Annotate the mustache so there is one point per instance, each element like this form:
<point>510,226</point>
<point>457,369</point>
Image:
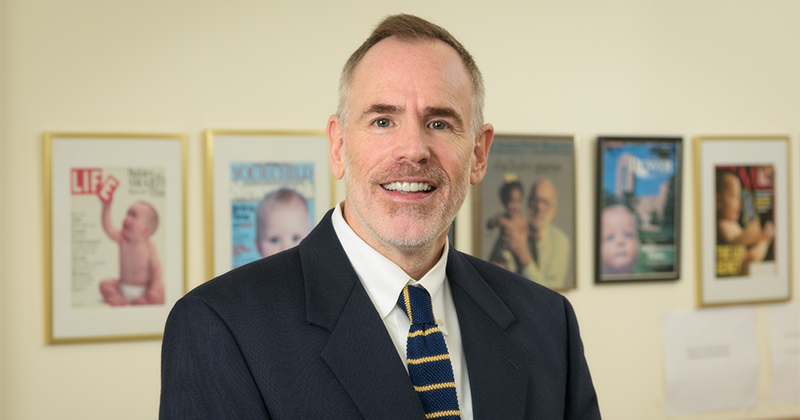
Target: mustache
<point>399,170</point>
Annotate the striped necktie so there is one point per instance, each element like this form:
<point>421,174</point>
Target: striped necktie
<point>428,360</point>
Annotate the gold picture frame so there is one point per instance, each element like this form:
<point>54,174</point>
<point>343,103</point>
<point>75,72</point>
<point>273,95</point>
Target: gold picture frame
<point>241,168</point>
<point>94,183</point>
<point>743,199</point>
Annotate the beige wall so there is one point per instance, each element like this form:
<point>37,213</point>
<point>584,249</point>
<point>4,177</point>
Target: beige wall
<point>681,67</point>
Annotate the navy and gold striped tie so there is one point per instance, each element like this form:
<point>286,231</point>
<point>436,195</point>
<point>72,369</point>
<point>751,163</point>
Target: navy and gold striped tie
<point>428,360</point>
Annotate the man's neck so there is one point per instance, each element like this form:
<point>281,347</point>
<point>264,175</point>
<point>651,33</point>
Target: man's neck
<point>416,261</point>
<point>539,233</point>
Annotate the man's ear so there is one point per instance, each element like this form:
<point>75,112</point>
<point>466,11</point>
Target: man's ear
<point>335,133</point>
<point>480,154</point>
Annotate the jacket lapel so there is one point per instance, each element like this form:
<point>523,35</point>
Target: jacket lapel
<point>359,352</point>
<point>496,364</point>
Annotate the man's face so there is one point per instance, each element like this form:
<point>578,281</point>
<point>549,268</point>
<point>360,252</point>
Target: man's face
<point>543,204</point>
<point>407,152</point>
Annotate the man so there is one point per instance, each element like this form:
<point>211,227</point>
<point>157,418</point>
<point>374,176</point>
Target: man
<point>543,251</point>
<point>315,331</point>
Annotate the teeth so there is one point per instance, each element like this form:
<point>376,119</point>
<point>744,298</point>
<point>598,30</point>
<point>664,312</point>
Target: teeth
<point>407,186</point>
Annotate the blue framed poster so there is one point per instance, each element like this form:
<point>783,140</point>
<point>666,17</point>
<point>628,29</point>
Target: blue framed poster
<point>638,209</point>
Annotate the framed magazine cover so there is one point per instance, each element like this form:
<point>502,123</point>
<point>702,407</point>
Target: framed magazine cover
<point>743,218</point>
<point>524,209</point>
<point>265,190</point>
<point>638,217</point>
<point>115,226</point>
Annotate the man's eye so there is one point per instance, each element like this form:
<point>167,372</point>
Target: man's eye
<point>383,122</point>
<point>438,125</point>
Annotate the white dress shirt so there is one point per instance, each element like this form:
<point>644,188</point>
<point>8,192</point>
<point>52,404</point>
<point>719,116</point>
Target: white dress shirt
<point>384,281</point>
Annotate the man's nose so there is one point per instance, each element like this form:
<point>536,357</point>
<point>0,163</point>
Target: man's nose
<point>412,144</point>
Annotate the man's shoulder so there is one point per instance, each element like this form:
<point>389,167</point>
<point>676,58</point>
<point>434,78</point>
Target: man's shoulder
<point>534,307</point>
<point>507,283</point>
<point>253,283</point>
<point>558,233</point>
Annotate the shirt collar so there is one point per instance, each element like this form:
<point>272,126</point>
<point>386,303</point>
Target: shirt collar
<point>382,278</point>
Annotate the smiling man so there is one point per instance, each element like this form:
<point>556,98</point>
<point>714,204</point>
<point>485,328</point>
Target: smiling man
<point>374,315</point>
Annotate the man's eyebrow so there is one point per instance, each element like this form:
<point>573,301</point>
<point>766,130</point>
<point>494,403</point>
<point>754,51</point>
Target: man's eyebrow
<point>446,112</point>
<point>382,109</point>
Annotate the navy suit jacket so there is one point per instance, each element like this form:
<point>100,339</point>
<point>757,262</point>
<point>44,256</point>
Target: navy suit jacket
<point>295,336</point>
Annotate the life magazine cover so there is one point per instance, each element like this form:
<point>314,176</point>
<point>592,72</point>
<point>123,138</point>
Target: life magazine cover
<point>746,228</point>
<point>117,247</point>
<point>272,207</point>
<point>638,209</point>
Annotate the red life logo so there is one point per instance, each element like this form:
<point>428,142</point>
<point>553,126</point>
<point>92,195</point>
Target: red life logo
<point>106,191</point>
<point>86,180</point>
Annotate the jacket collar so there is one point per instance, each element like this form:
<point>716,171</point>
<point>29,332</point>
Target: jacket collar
<point>361,354</point>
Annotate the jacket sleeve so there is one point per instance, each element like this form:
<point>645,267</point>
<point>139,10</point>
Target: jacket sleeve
<point>203,372</point>
<point>581,397</point>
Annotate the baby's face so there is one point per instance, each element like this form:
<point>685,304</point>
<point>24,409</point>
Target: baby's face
<point>730,200</point>
<point>136,223</point>
<point>620,241</point>
<point>514,204</point>
<point>284,227</point>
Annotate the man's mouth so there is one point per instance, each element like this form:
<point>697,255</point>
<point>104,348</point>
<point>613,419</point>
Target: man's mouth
<point>407,187</point>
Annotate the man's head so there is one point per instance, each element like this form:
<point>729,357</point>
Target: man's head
<point>282,221</point>
<point>140,222</point>
<point>412,29</point>
<point>542,203</point>
<point>409,149</point>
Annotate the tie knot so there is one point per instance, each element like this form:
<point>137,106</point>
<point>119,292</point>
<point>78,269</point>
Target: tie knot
<point>416,303</point>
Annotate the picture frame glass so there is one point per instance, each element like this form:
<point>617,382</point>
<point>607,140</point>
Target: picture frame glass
<point>743,215</point>
<point>638,209</point>
<point>114,212</point>
<point>267,190</point>
<point>524,212</point>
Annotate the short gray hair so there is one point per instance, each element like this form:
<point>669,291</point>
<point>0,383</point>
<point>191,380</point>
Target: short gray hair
<point>409,28</point>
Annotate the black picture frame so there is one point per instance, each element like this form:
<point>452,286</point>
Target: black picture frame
<point>638,215</point>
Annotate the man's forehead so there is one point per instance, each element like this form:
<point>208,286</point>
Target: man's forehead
<point>395,46</point>
<point>404,61</point>
<point>545,188</point>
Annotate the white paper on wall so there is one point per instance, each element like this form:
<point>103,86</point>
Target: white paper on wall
<point>784,328</point>
<point>711,360</point>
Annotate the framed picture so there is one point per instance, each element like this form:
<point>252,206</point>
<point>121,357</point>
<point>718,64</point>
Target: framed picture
<point>524,210</point>
<point>743,219</point>
<point>638,217</point>
<point>265,190</point>
<point>115,226</point>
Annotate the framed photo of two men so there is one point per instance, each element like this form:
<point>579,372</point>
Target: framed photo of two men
<point>743,216</point>
<point>638,209</point>
<point>114,220</point>
<point>524,212</point>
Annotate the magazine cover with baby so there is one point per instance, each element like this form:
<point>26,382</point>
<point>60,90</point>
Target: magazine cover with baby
<point>638,217</point>
<point>744,199</point>
<point>117,248</point>
<point>272,207</point>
